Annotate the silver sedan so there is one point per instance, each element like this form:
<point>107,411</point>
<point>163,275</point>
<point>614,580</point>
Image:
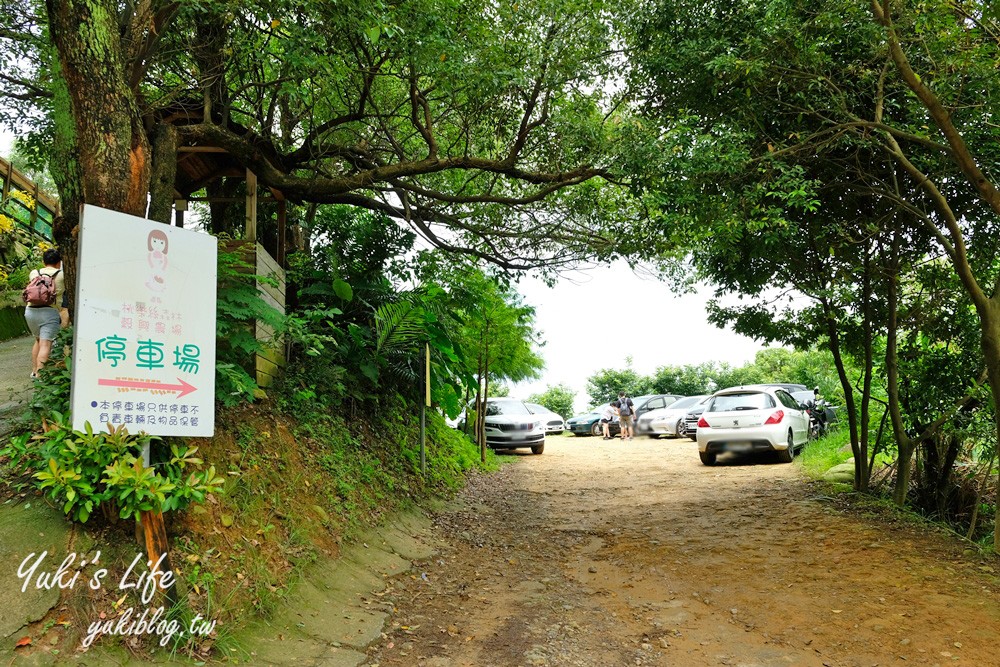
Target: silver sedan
<point>668,420</point>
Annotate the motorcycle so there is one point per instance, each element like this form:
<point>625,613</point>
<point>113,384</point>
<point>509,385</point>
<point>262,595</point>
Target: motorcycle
<point>818,421</point>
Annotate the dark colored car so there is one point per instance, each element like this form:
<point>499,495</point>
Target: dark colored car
<point>691,421</point>
<point>807,398</point>
<point>787,386</point>
<point>589,423</point>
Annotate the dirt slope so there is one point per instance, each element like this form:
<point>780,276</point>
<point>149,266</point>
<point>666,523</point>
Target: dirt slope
<point>609,553</point>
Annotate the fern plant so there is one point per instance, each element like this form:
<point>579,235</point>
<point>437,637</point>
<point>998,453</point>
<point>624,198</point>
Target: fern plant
<point>399,325</point>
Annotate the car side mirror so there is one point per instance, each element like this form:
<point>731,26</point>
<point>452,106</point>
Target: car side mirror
<point>803,406</point>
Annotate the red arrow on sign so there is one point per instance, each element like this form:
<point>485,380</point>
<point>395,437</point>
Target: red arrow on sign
<point>184,388</point>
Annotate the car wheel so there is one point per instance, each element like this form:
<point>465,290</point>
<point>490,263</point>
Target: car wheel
<point>708,458</point>
<point>596,429</point>
<point>788,455</point>
<point>681,428</point>
<point>538,449</point>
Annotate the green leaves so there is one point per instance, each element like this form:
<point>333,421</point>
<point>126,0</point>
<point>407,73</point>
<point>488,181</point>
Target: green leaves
<point>558,398</point>
<point>398,325</point>
<point>342,290</point>
<point>84,470</point>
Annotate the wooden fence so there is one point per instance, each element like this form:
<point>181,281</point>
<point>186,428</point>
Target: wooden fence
<point>38,220</point>
<point>269,362</point>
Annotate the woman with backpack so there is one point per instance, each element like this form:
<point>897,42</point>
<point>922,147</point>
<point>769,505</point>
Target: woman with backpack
<point>626,415</point>
<point>41,296</point>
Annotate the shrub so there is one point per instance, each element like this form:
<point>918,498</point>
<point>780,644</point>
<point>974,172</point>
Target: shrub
<point>84,471</point>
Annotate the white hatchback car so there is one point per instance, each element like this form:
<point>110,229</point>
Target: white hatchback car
<point>752,419</point>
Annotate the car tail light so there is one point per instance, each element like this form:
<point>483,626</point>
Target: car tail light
<point>703,423</point>
<point>776,417</point>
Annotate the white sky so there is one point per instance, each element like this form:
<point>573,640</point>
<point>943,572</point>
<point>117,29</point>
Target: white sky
<point>585,326</point>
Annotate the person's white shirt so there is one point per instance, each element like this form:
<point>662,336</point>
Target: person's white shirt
<point>608,413</point>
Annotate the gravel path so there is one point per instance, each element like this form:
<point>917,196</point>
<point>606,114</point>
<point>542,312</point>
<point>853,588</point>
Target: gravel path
<point>609,553</point>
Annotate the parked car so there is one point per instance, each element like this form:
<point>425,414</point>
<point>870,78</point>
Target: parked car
<point>554,423</point>
<point>807,397</point>
<point>648,402</point>
<point>787,386</point>
<point>821,413</point>
<point>752,419</point>
<point>589,423</point>
<point>509,424</point>
<point>691,418</point>
<point>668,420</point>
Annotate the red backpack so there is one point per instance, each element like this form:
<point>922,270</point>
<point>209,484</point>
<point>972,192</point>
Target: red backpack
<point>41,290</point>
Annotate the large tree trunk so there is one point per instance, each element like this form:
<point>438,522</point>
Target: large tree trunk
<point>905,445</point>
<point>989,314</point>
<point>110,141</point>
<point>862,473</point>
<point>65,170</point>
<point>161,195</point>
<point>833,338</point>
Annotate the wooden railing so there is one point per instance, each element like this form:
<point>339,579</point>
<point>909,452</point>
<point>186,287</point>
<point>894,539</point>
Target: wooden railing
<point>39,220</point>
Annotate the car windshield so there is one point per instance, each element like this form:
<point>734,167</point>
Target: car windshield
<point>494,408</point>
<point>537,409</point>
<point>742,401</point>
<point>685,402</point>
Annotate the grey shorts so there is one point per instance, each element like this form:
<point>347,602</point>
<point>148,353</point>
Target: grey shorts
<point>43,323</point>
<point>625,420</point>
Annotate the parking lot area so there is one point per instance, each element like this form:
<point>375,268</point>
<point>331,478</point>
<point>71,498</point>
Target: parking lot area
<point>609,553</point>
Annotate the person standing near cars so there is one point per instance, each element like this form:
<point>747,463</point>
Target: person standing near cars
<point>607,415</point>
<point>43,319</point>
<point>626,413</point>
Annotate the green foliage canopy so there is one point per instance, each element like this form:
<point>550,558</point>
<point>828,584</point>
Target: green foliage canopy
<point>557,398</point>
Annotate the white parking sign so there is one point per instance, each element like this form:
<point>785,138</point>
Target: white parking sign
<point>144,343</point>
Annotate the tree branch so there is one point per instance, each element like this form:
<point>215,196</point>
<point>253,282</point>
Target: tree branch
<point>960,151</point>
<point>252,155</point>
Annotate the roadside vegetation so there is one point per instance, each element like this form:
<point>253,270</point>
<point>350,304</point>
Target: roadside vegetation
<point>296,468</point>
<point>828,163</point>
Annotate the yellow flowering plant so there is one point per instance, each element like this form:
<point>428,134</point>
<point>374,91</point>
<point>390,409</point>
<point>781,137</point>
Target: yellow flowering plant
<point>17,245</point>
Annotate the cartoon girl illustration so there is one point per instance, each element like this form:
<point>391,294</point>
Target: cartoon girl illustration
<point>156,242</point>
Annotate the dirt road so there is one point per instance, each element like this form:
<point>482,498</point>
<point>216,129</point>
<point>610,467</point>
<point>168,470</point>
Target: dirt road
<point>609,553</point>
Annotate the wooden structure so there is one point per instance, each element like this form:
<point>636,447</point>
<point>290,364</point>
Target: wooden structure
<point>197,167</point>
<point>39,220</point>
<point>268,363</point>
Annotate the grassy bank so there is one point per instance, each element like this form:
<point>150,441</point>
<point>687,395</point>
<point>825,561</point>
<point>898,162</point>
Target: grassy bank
<point>296,488</point>
<point>823,453</point>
